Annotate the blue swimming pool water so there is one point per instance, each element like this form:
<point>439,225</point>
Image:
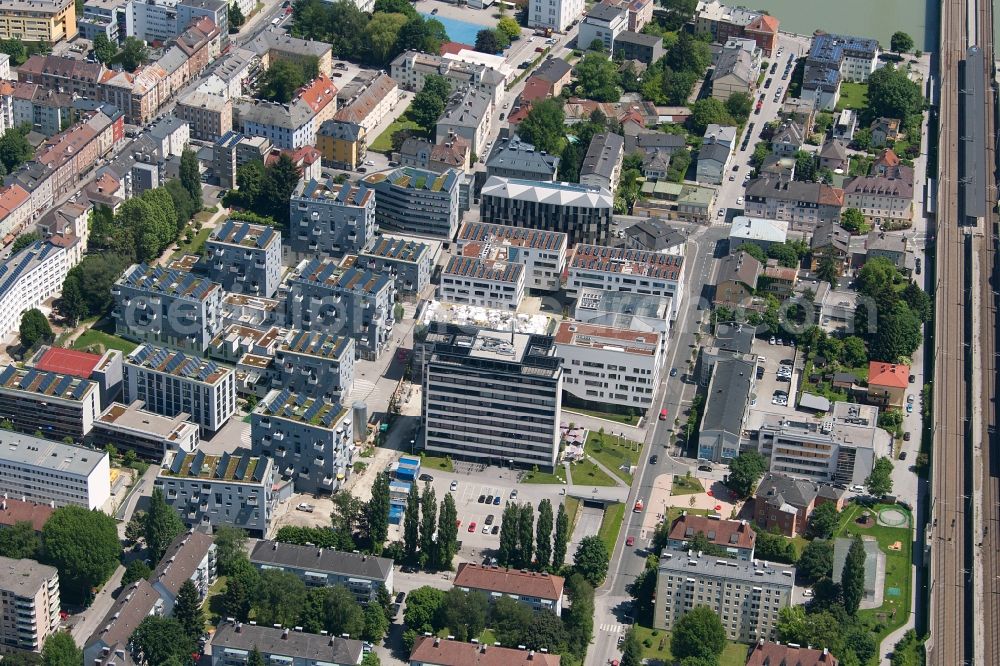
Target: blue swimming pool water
<point>458,31</point>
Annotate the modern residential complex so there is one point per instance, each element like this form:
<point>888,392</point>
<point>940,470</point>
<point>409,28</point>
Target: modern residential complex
<point>168,382</point>
<point>330,219</point>
<point>409,261</point>
<point>489,281</point>
<point>542,253</point>
<point>56,404</point>
<point>582,213</point>
<point>315,364</point>
<point>491,397</point>
<point>149,435</point>
<point>746,595</point>
<point>45,471</point>
<point>417,201</point>
<point>244,257</point>
<point>211,491</point>
<point>29,603</point>
<point>363,575</point>
<point>619,269</point>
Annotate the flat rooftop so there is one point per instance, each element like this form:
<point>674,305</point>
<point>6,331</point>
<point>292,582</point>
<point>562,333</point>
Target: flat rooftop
<point>226,468</point>
<point>49,384</point>
<point>177,364</point>
<point>25,450</point>
<point>133,417</point>
<point>24,577</point>
<point>68,362</point>
<point>301,408</point>
<point>480,235</point>
<point>321,345</point>
<point>488,318</point>
<point>245,234</point>
<point>608,338</point>
<point>634,262</point>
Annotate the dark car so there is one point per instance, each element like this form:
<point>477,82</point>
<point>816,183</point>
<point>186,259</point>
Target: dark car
<point>489,519</point>
<point>362,170</point>
<point>673,372</point>
<point>654,459</point>
<point>902,455</point>
<point>400,597</point>
<point>482,498</point>
<point>489,500</point>
<point>705,468</point>
<point>767,84</point>
<point>906,436</point>
<point>496,501</point>
<point>774,68</point>
<point>495,530</point>
<point>425,477</point>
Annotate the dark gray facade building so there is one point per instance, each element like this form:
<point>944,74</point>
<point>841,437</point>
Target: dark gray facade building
<point>408,261</point>
<point>330,219</point>
<point>315,364</point>
<point>244,257</point>
<point>417,201</point>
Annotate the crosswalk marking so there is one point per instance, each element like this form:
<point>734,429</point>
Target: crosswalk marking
<point>612,628</point>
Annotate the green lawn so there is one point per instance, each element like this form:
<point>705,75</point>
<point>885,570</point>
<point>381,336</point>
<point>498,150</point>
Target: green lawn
<point>895,608</point>
<point>611,525</point>
<point>607,450</point>
<point>544,477</point>
<point>853,96</point>
<point>383,144</point>
<point>106,341</point>
<point>656,646</point>
<point>572,505</point>
<point>435,462</point>
<point>587,473</point>
<point>610,416</point>
<point>213,602</point>
<point>684,485</point>
<point>674,512</point>
<point>196,244</point>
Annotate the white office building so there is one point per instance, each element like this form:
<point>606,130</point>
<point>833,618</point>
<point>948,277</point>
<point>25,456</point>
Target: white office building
<point>554,14</point>
<point>633,271</point>
<point>44,471</point>
<point>31,277</point>
<point>170,383</point>
<point>487,282</point>
<point>541,252</point>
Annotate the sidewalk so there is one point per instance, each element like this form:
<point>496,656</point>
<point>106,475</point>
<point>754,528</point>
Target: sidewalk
<point>635,433</point>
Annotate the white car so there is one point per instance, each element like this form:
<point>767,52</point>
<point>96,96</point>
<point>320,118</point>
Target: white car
<point>454,486</point>
<point>771,341</point>
<point>308,508</point>
<point>486,529</point>
<point>722,212</point>
<point>370,163</point>
<point>739,201</point>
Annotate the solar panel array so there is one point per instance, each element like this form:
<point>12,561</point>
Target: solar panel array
<point>168,281</point>
<point>177,363</point>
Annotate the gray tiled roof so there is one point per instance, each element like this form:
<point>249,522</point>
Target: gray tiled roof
<point>730,390</point>
<point>516,154</point>
<point>320,559</point>
<point>603,155</point>
<point>314,648</point>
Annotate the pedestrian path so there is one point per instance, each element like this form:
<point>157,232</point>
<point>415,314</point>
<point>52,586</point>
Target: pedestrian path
<point>607,471</point>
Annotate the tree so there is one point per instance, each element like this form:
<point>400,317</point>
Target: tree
<point>597,78</point>
<point>236,18</point>
<point>15,149</point>
<point>20,541</point>
<point>250,179</point>
<point>543,534</point>
<point>411,523</point>
<point>16,49</point>
<point>489,41</point>
<point>281,80</point>
<point>428,104</point>
<point>852,579</point>
<point>83,545</point>
<point>918,301</point>
<point>892,94</point>
<point>699,633</point>
<point>853,220</point>
<point>24,240</point>
<point>509,27</point>
<point>34,328</point>
<point>507,553</point>
<point>561,538</point>
<point>241,586</point>
<point>805,166</point>
<point>378,512</point>
<point>376,623</point>
<point>827,270</point>
<point>162,525</point>
<point>689,55</point>
<point>428,514</point>
<point>508,620</point>
<point>421,608</point>
<point>853,351</point>
<point>191,176</point>
<point>706,112</point>
<point>879,482</point>
<point>745,471</point>
<point>280,180</point>
<point>816,560</point>
<point>631,650</point>
<point>447,537</point>
<point>255,658</point>
<point>591,560</point>
<point>134,54</point>
<point>334,610</point>
<point>135,571</point>
<point>900,42</point>
<point>61,650</point>
<point>382,35</point>
<point>278,598</point>
<point>774,547</point>
<point>160,640</point>
<point>187,610</point>
<point>899,334</point>
<point>544,126</point>
<point>104,50</point>
<point>739,105</point>
<point>862,644</point>
<point>230,546</point>
<point>526,535</point>
<point>579,617</point>
<point>464,613</point>
<point>823,521</point>
<point>786,255</point>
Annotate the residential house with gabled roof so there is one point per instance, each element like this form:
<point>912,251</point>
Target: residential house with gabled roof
<point>833,156</point>
<point>802,205</point>
<point>887,383</point>
<point>884,130</point>
<point>434,651</point>
<point>783,503</point>
<point>537,590</point>
<point>736,537</point>
<point>788,139</point>
<point>830,240</point>
<point>734,72</point>
<point>737,280</point>
<point>727,402</point>
<point>766,653</point>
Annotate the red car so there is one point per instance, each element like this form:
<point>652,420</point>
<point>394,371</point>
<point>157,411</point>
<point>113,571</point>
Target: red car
<point>663,414</point>
<point>630,541</point>
<point>472,526</point>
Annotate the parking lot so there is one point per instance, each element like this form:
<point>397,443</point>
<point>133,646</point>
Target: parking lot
<point>775,358</point>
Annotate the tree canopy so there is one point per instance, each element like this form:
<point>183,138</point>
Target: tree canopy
<point>698,633</point>
<point>745,471</point>
<point>544,126</point>
<point>34,328</point>
<point>591,560</point>
<point>879,481</point>
<point>134,54</point>
<point>161,640</point>
<point>892,94</point>
<point>706,112</point>
<point>83,545</point>
<point>597,78</point>
<point>900,42</point>
<point>853,577</point>
<point>60,650</point>
<point>162,525</point>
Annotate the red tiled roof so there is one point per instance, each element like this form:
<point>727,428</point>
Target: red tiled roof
<point>453,48</point>
<point>775,654</point>
<point>887,157</point>
<point>443,652</point>
<point>14,511</point>
<point>764,23</point>
<point>535,88</point>
<point>888,374</point>
<point>68,362</point>
<point>318,93</point>
<point>509,581</point>
<point>725,533</point>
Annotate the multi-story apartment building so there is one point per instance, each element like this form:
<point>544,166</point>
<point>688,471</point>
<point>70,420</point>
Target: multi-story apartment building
<point>29,603</point>
<point>602,165</point>
<point>45,111</point>
<point>244,258</point>
<point>886,194</point>
<point>730,389</point>
<point>46,21</point>
<point>103,369</point>
<point>344,145</point>
<point>105,17</point>
<point>513,158</point>
<point>417,201</point>
<point>363,575</point>
<point>309,439</point>
<point>631,45</point>
<point>208,490</point>
<point>542,253</point>
<point>15,208</point>
<point>167,306</point>
<point>210,116</point>
<point>163,20</point>
<point>604,22</point>
<point>274,45</point>
<point>352,302</point>
<point>31,277</point>
<point>328,219</point>
<point>169,383</point>
<point>855,58</point>
<point>232,644</point>
<point>468,113</point>
<point>745,595</point>
<point>367,101</point>
<point>58,405</point>
<point>736,537</point>
<point>411,68</point>
<point>149,435</point>
<point>42,470</point>
<point>634,271</point>
<point>557,15</point>
<point>491,397</point>
<point>802,205</point>
<point>189,557</point>
<point>784,504</point>
<point>842,449</point>
<point>408,261</point>
<point>605,366</point>
<point>434,651</point>
<point>485,281</point>
<point>315,364</point>
<point>538,591</point>
<point>582,213</point>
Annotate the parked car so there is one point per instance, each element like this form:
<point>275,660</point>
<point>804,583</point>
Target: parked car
<point>308,508</point>
<point>482,498</point>
<point>454,486</point>
<point>486,529</point>
<point>630,541</point>
<point>704,468</point>
<point>495,531</point>
<point>489,499</point>
<point>472,526</point>
<point>673,372</point>
<point>496,501</point>
<point>489,519</point>
<point>902,455</point>
<point>513,494</point>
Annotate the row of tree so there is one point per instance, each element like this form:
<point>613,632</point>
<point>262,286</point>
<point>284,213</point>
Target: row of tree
<point>266,190</point>
<point>523,543</point>
<point>430,530</point>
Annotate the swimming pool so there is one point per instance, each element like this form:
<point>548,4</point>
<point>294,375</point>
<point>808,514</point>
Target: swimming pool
<point>458,31</point>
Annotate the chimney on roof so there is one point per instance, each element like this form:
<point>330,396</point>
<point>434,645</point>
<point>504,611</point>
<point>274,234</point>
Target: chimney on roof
<point>437,641</point>
<point>284,634</point>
